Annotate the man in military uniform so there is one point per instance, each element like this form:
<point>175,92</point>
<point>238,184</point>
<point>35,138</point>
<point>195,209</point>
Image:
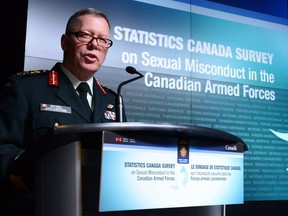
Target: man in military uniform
<point>32,102</point>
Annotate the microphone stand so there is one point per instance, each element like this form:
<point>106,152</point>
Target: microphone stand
<point>119,99</point>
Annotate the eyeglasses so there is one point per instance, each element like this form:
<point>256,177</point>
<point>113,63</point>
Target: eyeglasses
<point>85,37</point>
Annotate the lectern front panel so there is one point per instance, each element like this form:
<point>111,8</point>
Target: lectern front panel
<point>153,172</point>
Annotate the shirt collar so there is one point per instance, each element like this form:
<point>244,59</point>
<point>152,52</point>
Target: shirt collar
<point>75,81</point>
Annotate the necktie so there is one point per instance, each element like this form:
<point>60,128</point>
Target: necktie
<point>83,89</point>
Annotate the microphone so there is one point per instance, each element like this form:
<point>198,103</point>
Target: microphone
<point>132,70</point>
<point>119,99</point>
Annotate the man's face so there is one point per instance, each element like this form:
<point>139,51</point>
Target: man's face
<point>83,59</point>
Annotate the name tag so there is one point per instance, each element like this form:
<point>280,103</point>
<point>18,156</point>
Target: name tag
<point>55,108</point>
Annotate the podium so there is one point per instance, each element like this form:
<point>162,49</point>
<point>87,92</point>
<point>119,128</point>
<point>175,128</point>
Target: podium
<point>137,168</point>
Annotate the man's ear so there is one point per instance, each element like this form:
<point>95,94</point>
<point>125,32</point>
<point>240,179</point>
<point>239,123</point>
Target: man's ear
<point>64,41</point>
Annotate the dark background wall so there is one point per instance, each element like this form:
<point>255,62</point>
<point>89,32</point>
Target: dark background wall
<point>13,19</point>
<point>14,16</point>
<point>275,8</point>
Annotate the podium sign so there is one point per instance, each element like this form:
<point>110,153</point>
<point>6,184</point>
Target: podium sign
<point>154,171</point>
<point>138,169</point>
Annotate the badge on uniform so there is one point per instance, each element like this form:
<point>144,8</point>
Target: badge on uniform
<point>53,78</point>
<point>55,108</point>
<point>110,106</point>
<point>108,114</point>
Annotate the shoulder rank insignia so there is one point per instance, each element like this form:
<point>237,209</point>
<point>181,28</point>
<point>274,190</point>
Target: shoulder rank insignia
<point>30,73</point>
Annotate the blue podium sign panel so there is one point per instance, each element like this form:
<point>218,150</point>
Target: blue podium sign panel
<point>152,172</point>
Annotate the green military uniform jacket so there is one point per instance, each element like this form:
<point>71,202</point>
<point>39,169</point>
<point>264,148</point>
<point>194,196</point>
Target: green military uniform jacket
<point>32,102</point>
